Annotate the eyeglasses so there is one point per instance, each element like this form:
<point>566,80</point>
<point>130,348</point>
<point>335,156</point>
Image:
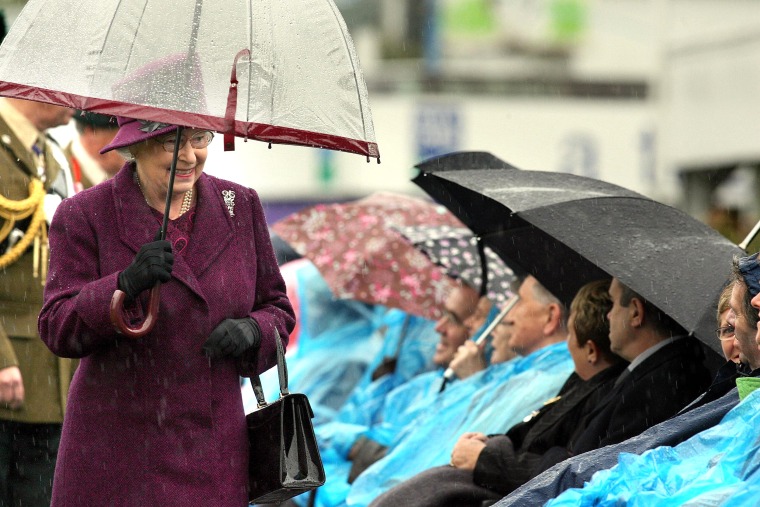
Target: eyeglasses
<point>198,141</point>
<point>452,318</point>
<point>725,333</point>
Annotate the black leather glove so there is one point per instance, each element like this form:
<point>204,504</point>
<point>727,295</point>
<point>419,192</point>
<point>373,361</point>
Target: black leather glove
<point>232,337</point>
<point>153,263</point>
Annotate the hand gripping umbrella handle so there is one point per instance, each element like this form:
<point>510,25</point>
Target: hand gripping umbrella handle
<point>117,313</point>
<point>117,301</point>
<point>448,375</point>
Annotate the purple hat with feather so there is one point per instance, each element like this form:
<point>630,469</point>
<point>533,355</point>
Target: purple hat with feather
<point>133,131</point>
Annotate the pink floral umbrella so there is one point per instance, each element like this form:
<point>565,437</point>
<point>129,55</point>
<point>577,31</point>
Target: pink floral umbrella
<point>361,257</point>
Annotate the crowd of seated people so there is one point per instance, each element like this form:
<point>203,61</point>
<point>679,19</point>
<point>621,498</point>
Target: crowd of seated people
<point>555,397</point>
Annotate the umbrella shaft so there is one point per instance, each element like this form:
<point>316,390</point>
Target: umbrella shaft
<point>449,374</point>
<point>170,190</point>
<point>503,313</point>
<point>744,244</point>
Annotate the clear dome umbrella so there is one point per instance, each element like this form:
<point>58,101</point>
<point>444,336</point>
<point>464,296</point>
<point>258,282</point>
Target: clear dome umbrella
<point>277,71</point>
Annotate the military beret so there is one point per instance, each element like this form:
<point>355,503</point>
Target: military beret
<point>95,120</point>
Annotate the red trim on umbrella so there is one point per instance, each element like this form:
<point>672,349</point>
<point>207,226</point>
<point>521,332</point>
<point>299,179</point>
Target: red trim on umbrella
<point>249,130</point>
<point>229,115</point>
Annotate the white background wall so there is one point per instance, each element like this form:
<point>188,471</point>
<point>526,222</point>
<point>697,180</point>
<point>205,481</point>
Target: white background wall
<point>604,139</point>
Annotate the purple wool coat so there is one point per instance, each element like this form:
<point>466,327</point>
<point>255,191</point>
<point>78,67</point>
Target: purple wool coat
<point>153,421</point>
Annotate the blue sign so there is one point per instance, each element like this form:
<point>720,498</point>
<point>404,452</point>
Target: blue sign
<point>438,130</point>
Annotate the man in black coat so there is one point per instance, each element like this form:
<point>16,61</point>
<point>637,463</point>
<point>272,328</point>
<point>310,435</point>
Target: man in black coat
<point>705,412</point>
<point>666,373</point>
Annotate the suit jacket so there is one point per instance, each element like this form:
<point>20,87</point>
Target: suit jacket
<point>510,460</point>
<point>153,421</point>
<point>46,378</point>
<point>703,413</point>
<point>654,391</point>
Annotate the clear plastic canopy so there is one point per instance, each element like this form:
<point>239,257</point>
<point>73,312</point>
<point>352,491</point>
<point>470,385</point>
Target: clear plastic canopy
<point>299,80</point>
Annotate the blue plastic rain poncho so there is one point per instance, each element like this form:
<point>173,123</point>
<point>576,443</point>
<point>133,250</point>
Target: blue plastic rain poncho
<point>336,343</point>
<point>717,467</point>
<point>384,407</point>
<point>408,339</point>
<point>504,394</point>
<point>383,422</point>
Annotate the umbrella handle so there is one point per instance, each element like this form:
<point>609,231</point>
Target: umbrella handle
<point>117,314</point>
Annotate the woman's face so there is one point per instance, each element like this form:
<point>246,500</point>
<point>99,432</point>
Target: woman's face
<point>475,321</point>
<point>154,164</point>
<point>728,342</point>
<point>580,357</point>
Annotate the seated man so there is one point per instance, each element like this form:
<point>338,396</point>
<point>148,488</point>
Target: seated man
<point>485,468</point>
<point>717,466</point>
<point>666,373</point>
<point>506,392</point>
<point>703,413</point>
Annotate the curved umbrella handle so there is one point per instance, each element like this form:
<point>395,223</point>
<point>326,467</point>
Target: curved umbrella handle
<point>117,314</point>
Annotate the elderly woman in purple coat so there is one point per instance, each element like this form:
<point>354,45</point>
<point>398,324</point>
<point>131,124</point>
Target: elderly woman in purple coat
<point>159,420</point>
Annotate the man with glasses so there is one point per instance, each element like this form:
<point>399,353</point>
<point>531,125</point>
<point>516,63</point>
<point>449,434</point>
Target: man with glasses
<point>451,327</point>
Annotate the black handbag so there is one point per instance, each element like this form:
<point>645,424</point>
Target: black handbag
<point>284,458</point>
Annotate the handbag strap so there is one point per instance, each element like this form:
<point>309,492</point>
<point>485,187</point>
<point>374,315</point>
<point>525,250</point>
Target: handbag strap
<point>282,373</point>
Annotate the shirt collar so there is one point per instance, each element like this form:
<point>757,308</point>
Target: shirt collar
<point>651,350</point>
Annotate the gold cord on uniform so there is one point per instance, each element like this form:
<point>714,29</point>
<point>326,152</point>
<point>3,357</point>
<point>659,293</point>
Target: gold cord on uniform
<point>12,211</point>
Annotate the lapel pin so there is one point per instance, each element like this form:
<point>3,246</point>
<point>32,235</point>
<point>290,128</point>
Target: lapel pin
<point>229,200</point>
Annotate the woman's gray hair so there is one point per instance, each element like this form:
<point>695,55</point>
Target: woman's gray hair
<point>125,153</point>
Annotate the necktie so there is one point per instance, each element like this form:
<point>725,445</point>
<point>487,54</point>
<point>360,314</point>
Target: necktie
<point>38,148</point>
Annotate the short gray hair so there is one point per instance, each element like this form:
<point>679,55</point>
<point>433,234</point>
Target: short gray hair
<point>545,297</point>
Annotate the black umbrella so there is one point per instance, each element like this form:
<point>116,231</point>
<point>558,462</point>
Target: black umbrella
<point>567,230</point>
<point>458,160</point>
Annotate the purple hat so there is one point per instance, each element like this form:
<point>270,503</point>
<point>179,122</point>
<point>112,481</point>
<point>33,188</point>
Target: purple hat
<point>133,131</point>
<point>750,270</point>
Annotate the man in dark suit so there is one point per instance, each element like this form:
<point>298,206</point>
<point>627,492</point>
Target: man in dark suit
<point>705,412</point>
<point>666,372</point>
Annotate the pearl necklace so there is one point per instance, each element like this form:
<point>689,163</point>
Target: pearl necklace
<point>187,199</point>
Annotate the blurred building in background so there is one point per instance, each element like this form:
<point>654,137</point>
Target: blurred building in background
<point>659,96</point>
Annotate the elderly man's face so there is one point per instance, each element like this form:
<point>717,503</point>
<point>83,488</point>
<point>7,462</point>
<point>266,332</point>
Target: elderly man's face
<point>451,328</point>
<point>749,353</point>
<point>527,319</point>
<point>49,116</point>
